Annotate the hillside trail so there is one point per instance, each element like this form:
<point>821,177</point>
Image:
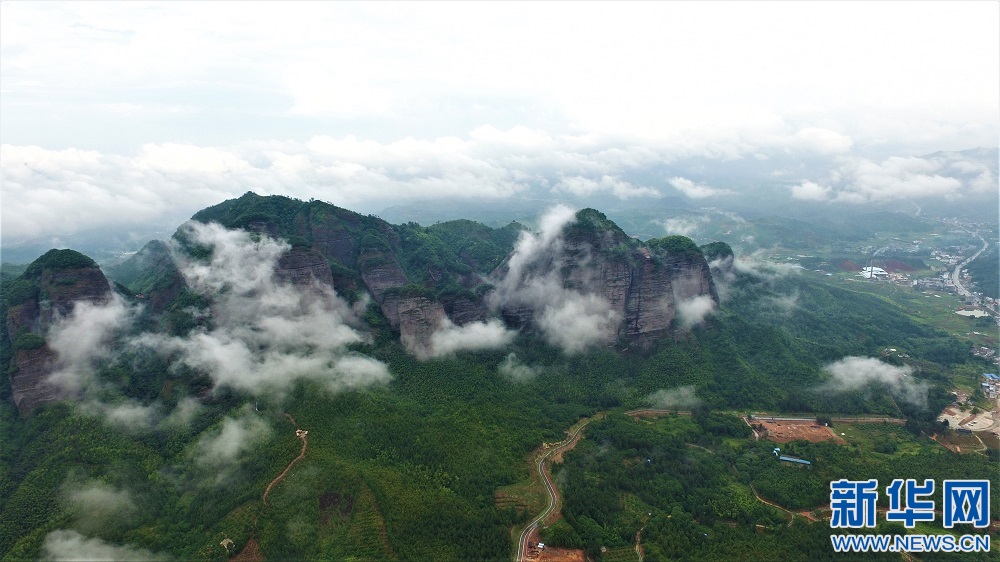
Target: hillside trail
<point>304,437</point>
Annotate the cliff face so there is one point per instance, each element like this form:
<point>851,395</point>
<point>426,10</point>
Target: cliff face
<point>303,267</point>
<point>51,287</point>
<point>650,305</point>
<point>418,317</point>
<point>419,276</point>
<point>642,283</point>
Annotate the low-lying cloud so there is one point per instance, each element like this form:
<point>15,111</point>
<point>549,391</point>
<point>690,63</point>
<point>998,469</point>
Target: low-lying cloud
<point>265,334</point>
<point>683,226</point>
<point>693,311</point>
<point>451,338</point>
<point>621,189</point>
<point>694,190</point>
<point>83,338</point>
<point>97,506</point>
<point>71,545</point>
<point>569,319</point>
<point>681,397</point>
<point>860,180</point>
<point>512,368</point>
<point>218,452</point>
<point>854,373</point>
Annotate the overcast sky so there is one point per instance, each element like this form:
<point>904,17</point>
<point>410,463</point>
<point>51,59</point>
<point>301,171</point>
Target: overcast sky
<point>117,113</point>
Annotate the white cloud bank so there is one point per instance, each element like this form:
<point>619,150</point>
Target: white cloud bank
<point>451,338</point>
<point>517,371</point>
<point>569,319</point>
<point>859,180</point>
<point>97,506</point>
<point>682,397</point>
<point>265,334</point>
<point>70,545</point>
<point>693,311</point>
<point>854,373</point>
<point>694,190</point>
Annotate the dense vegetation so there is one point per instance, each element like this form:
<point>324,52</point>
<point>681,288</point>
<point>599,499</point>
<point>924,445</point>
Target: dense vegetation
<point>690,485</point>
<point>408,470</point>
<point>985,272</point>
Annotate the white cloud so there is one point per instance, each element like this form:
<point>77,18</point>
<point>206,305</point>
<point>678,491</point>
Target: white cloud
<point>71,545</point>
<point>517,371</point>
<point>266,334</point>
<point>822,141</point>
<point>450,338</point>
<point>219,451</point>
<point>696,190</point>
<point>82,339</point>
<point>894,178</point>
<point>809,191</point>
<point>682,397</point>
<point>185,412</point>
<point>582,186</point>
<point>683,226</point>
<point>693,311</point>
<point>97,506</point>
<point>569,319</point>
<point>855,373</point>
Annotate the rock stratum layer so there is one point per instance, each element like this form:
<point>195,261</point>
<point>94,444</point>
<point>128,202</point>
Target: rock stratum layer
<point>50,289</point>
<point>419,278</point>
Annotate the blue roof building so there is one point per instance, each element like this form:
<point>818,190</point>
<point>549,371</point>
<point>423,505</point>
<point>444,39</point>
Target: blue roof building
<point>793,459</point>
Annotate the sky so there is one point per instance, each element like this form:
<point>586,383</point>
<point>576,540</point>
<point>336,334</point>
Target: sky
<point>116,115</point>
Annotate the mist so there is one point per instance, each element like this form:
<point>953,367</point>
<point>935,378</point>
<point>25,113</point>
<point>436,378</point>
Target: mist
<point>681,397</point>
<point>512,368</point>
<point>83,338</point>
<point>98,506</point>
<point>854,373</point>
<point>265,335</point>
<point>219,452</point>
<point>71,545</point>
<point>693,311</point>
<point>451,338</point>
<point>568,319</point>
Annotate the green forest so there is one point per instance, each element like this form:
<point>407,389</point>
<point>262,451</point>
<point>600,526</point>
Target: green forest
<point>408,469</point>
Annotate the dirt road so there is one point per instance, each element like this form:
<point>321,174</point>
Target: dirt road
<point>541,466</point>
<point>303,435</point>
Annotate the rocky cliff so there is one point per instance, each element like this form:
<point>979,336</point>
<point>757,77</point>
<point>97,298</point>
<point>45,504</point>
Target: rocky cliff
<point>641,282</point>
<point>420,275</point>
<point>49,289</point>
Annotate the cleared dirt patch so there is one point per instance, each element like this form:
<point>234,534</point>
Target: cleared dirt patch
<point>334,504</point>
<point>250,553</point>
<point>785,431</point>
<point>847,265</point>
<point>897,265</point>
<point>550,554</point>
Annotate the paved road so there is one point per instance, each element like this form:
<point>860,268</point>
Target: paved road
<point>550,489</point>
<point>956,276</point>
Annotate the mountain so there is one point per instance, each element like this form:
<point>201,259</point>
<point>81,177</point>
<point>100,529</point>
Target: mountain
<point>421,276</point>
<point>51,287</point>
<point>231,404</point>
<point>422,279</point>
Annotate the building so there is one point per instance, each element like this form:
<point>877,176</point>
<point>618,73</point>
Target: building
<point>874,272</point>
<point>786,458</point>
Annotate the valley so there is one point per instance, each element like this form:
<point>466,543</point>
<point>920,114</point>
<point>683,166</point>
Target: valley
<point>428,363</point>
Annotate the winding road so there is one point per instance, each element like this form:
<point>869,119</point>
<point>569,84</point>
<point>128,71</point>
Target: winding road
<point>550,487</point>
<point>956,277</point>
<point>304,437</point>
